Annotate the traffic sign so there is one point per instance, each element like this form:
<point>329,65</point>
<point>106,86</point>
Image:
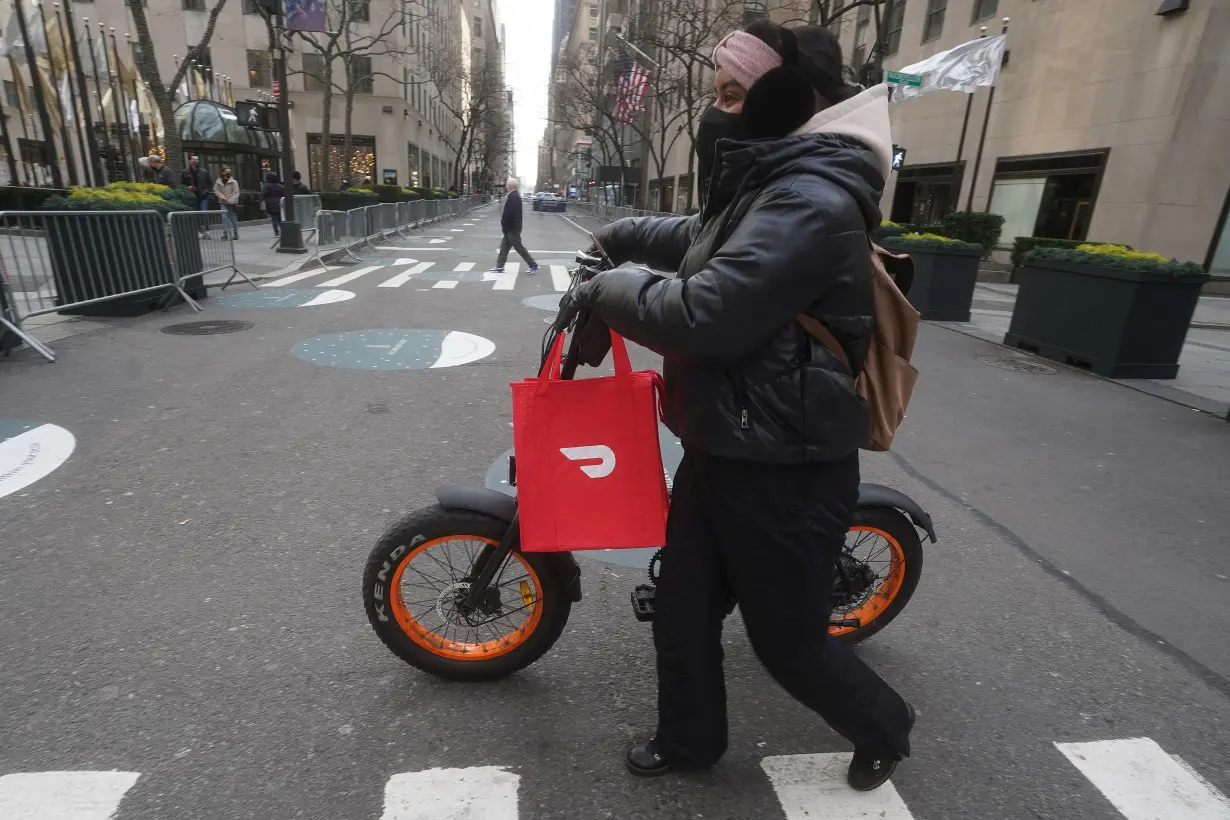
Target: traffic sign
<point>897,78</point>
<point>277,89</point>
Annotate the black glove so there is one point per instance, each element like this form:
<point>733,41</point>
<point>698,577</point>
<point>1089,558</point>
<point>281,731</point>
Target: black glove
<point>593,339</point>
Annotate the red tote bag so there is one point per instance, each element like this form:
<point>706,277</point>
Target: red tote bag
<point>589,465</point>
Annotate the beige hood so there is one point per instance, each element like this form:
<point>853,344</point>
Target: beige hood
<point>863,117</point>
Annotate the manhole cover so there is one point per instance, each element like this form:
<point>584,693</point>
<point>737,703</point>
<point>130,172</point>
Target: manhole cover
<point>1016,365</point>
<point>207,328</point>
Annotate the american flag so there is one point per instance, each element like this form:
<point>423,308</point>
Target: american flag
<point>631,78</point>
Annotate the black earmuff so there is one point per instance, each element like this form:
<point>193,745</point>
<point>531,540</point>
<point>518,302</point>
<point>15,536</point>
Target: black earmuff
<point>783,99</point>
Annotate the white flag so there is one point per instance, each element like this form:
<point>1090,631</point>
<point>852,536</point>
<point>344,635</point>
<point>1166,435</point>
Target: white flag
<point>962,68</point>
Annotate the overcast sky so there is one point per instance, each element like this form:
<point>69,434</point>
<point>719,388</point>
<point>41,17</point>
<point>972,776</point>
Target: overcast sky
<point>527,62</point>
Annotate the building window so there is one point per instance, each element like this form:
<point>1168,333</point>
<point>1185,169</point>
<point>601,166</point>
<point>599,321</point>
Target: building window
<point>360,11</point>
<point>313,72</point>
<point>933,26</point>
<point>412,165</point>
<point>862,28</point>
<point>360,164</point>
<point>894,19</point>
<point>194,5</point>
<point>204,60</point>
<point>11,96</point>
<point>593,12</point>
<point>593,34</point>
<point>361,74</point>
<point>984,9</point>
<point>478,27</point>
<point>260,69</point>
<point>1050,195</point>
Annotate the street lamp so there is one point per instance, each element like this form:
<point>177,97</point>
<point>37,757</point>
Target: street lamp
<point>291,235</point>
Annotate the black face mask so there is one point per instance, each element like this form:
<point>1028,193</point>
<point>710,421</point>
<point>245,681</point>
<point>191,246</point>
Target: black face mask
<point>715,125</point>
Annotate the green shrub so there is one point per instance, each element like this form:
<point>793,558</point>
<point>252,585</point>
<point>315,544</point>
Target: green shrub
<point>124,196</point>
<point>1024,244</point>
<point>929,242</point>
<point>975,227</point>
<point>1117,257</point>
<point>387,193</point>
<point>888,228</point>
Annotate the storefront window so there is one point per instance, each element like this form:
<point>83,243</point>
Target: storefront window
<point>414,178</point>
<point>1017,201</point>
<point>1050,196</point>
<point>354,170</point>
<point>1219,264</point>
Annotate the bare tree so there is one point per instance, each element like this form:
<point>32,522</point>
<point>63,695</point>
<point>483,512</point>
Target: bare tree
<point>472,94</point>
<point>833,14</point>
<point>164,93</point>
<point>358,42</point>
<point>585,103</point>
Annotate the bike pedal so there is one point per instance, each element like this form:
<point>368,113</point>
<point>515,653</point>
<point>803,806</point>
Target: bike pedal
<point>642,602</point>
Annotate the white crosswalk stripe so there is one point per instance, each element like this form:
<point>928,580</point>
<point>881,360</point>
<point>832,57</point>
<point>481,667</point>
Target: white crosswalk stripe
<point>350,277</point>
<point>299,277</point>
<point>508,278</point>
<point>63,795</point>
<point>1144,783</point>
<point>560,278</point>
<point>447,284</point>
<point>478,792</point>
<point>1135,775</point>
<point>813,787</point>
<point>404,277</point>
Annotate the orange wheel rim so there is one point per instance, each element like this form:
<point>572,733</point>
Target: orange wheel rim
<point>523,592</point>
<point>878,599</point>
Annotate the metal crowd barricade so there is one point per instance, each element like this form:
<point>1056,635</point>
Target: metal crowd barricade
<point>330,232</point>
<point>306,206</point>
<point>55,261</point>
<point>201,243</point>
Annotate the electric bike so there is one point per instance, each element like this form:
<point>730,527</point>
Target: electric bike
<point>448,589</point>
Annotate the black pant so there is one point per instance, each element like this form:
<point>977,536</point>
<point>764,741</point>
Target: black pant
<point>276,218</point>
<point>767,535</point>
<point>512,239</point>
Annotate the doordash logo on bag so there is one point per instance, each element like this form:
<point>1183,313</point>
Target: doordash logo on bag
<point>600,452</point>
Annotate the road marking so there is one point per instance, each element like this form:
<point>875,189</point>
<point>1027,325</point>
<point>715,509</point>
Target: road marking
<point>1144,783</point>
<point>299,277</point>
<point>813,787</point>
<point>350,277</point>
<point>329,297</point>
<point>457,230</point>
<point>506,280</point>
<point>458,348</point>
<point>560,279</point>
<point>447,284</point>
<point>63,795</point>
<point>462,267</point>
<point>31,455</point>
<point>404,277</point>
<point>475,793</point>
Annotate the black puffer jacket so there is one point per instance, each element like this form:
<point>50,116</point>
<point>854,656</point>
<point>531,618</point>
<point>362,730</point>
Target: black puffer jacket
<point>784,232</point>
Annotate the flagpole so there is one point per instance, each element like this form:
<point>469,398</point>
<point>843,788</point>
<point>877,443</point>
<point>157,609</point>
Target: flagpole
<point>87,171</point>
<point>121,121</point>
<point>57,178</point>
<point>123,98</point>
<point>136,97</point>
<point>55,87</point>
<point>986,121</point>
<point>8,146</point>
<point>87,115</point>
<point>956,168</point>
<point>106,177</point>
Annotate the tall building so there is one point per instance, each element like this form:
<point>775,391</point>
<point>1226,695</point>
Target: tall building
<point>402,130</point>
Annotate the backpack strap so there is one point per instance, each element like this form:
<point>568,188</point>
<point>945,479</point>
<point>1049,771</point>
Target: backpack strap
<point>816,329</point>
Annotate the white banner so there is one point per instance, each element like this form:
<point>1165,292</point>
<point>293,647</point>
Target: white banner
<point>962,68</point>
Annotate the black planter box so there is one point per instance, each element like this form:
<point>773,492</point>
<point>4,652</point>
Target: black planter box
<point>95,255</point>
<point>348,202</point>
<point>943,287</point>
<point>1116,323</point>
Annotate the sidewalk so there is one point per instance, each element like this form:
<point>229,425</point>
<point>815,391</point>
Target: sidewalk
<point>258,257</point>
<point>1204,366</point>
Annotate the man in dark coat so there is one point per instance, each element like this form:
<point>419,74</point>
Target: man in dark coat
<point>510,224</point>
<point>198,180</point>
<point>161,172</point>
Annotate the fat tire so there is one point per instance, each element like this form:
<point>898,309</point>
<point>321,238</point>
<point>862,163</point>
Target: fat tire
<point>896,524</point>
<point>437,522</point>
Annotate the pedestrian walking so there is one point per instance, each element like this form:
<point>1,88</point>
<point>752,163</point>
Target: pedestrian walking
<point>272,193</point>
<point>199,181</point>
<point>160,172</point>
<point>792,162</point>
<point>226,190</point>
<point>511,219</point>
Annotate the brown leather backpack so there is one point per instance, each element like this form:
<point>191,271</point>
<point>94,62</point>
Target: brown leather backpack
<point>888,378</point>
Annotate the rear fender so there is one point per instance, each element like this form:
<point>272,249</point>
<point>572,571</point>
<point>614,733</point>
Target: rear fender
<point>877,495</point>
<point>504,508</point>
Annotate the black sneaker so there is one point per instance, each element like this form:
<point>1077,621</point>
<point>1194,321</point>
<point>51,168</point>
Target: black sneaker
<point>645,759</point>
<point>871,770</point>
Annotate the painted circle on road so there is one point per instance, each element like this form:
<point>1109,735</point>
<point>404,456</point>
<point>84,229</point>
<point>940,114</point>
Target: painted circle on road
<point>546,301</point>
<point>394,349</point>
<point>672,454</point>
<point>30,450</point>
<point>283,298</point>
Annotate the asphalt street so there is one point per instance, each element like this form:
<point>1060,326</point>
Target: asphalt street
<point>180,596</point>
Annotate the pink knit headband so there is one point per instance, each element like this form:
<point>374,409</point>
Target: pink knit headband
<point>745,57</point>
